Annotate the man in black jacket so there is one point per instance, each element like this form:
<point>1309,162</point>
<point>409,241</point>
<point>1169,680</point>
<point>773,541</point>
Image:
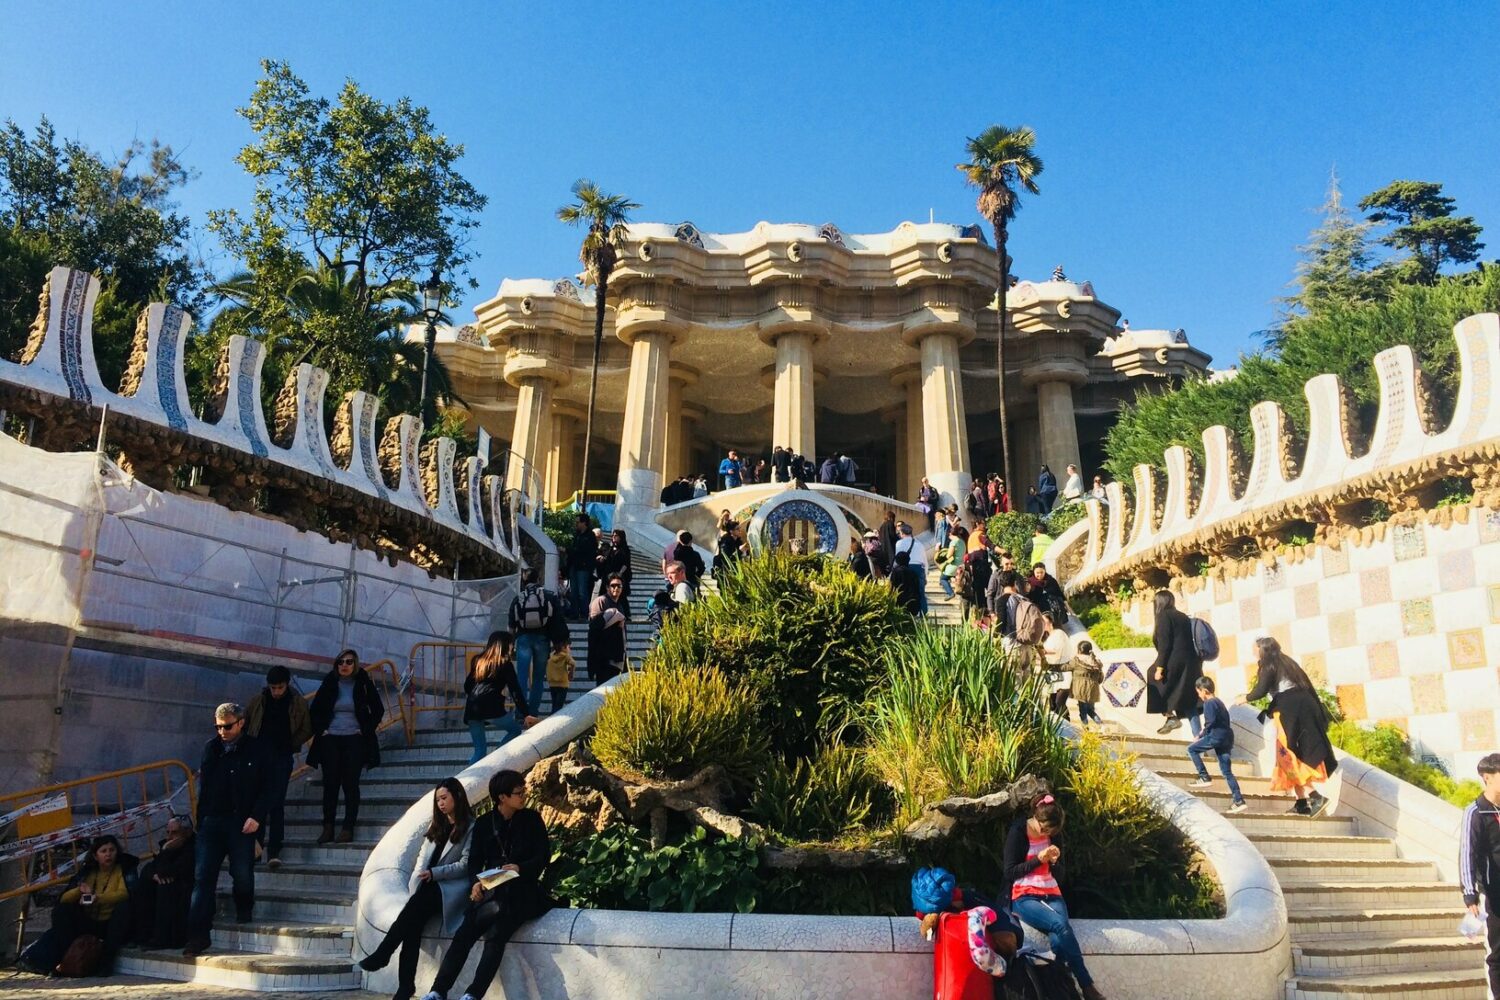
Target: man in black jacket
<point>509,837</point>
<point>583,553</point>
<point>233,799</point>
<point>1479,860</point>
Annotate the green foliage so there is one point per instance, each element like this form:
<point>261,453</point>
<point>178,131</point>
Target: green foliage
<point>1336,263</point>
<point>558,525</point>
<point>1423,224</point>
<point>1107,630</point>
<point>1341,338</point>
<point>1064,517</point>
<point>619,869</point>
<point>1386,747</point>
<point>1455,491</point>
<point>1013,533</point>
<point>820,797</point>
<point>952,716</point>
<point>805,634</point>
<point>61,203</point>
<point>671,722</point>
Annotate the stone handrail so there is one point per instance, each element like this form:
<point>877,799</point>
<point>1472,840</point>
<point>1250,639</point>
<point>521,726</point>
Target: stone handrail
<point>401,487</point>
<point>1197,513</point>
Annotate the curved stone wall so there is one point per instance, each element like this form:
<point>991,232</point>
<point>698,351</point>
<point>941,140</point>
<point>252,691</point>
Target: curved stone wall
<point>405,497</point>
<point>1208,512</point>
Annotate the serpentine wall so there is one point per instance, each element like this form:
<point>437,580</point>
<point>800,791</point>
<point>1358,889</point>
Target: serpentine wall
<point>1400,617</point>
<point>380,489</point>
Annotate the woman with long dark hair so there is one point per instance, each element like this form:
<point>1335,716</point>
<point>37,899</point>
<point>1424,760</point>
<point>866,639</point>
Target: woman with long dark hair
<point>1304,755</point>
<point>491,674</point>
<point>438,888</point>
<point>1177,667</point>
<point>345,713</point>
<point>607,632</point>
<point>97,903</point>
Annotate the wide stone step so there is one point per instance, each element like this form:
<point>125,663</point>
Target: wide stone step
<point>285,938</point>
<point>1438,985</point>
<point>248,971</point>
<point>291,906</point>
<point>1416,895</point>
<point>420,775</point>
<point>423,754</point>
<point>374,811</point>
<point>1367,922</point>
<point>310,880</point>
<point>1320,956</point>
<point>1353,869</point>
<point>1250,823</point>
<point>1261,803</point>
<point>1275,846</point>
<point>351,855</point>
<point>1185,778</point>
<point>1163,763</point>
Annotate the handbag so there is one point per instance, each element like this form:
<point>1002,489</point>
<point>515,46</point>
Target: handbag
<point>82,957</point>
<point>1156,697</point>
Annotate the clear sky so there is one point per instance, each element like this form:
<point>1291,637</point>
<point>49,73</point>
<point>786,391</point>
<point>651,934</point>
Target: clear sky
<point>1187,145</point>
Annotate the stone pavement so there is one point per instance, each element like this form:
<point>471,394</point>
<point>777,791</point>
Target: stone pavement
<point>27,986</point>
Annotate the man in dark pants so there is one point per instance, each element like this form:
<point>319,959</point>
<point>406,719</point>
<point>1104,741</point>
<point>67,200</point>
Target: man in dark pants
<point>512,837</point>
<point>583,554</point>
<point>1479,860</point>
<point>278,719</point>
<point>233,790</point>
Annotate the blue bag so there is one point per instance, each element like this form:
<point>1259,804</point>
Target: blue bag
<point>932,890</point>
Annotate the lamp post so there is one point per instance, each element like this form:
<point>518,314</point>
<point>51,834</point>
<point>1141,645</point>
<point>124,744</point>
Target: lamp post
<point>432,302</point>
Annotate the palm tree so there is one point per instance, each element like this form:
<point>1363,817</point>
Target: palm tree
<point>999,159</point>
<point>605,215</point>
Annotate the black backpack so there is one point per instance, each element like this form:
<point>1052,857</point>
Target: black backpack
<point>1030,979</point>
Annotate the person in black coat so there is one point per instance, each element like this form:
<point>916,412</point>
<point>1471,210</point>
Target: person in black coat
<point>512,837</point>
<point>907,585</point>
<point>234,798</point>
<point>1043,590</point>
<point>164,891</point>
<point>491,673</point>
<point>583,556</point>
<point>888,538</point>
<point>1304,754</point>
<point>1177,666</point>
<point>692,562</point>
<point>345,712</point>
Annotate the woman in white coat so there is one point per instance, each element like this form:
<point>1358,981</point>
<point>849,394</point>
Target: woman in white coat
<point>439,887</point>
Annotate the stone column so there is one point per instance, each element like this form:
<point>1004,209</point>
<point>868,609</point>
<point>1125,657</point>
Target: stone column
<point>1057,428</point>
<point>532,365</point>
<point>896,417</point>
<point>681,442</point>
<point>643,440</point>
<point>945,442</point>
<point>677,453</point>
<point>563,471</point>
<point>916,435</point>
<point>792,422</point>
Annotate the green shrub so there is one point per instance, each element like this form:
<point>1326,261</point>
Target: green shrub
<point>1107,630</point>
<point>1013,533</point>
<point>558,526</point>
<point>619,869</point>
<point>1064,517</point>
<point>803,633</point>
<point>1455,491</point>
<point>952,716</point>
<point>820,797</point>
<point>1386,747</point>
<point>670,722</point>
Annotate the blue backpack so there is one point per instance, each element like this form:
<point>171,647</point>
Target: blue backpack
<point>1205,640</point>
<point>932,890</point>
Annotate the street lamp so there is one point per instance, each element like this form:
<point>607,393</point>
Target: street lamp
<point>432,302</point>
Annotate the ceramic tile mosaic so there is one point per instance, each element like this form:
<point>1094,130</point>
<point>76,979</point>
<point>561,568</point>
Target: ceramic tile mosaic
<point>1305,600</point>
<point>1477,730</point>
<point>1383,661</point>
<point>1282,633</point>
<point>1456,570</point>
<point>1352,700</point>
<point>1336,561</point>
<point>1341,629</point>
<point>1375,585</point>
<point>1274,576</point>
<point>1489,525</point>
<point>1222,591</point>
<point>1316,666</point>
<point>1249,613</point>
<point>1428,696</point>
<point>1494,592</point>
<point>1229,654</point>
<point>1466,649</point>
<point>1124,683</point>
<point>1416,616</point>
<point>1408,541</point>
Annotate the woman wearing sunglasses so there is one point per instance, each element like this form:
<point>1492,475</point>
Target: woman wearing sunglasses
<point>345,714</point>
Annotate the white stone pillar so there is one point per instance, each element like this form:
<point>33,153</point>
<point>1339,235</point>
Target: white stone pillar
<point>1057,427</point>
<point>792,423</point>
<point>529,439</point>
<point>563,472</point>
<point>945,444</point>
<point>677,455</point>
<point>643,439</point>
<point>916,435</point>
<point>896,417</point>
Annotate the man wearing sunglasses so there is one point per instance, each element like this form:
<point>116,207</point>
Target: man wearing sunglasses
<point>233,798</point>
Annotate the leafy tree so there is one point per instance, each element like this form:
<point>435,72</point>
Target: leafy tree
<point>61,203</point>
<point>352,200</point>
<point>1423,224</point>
<point>1337,261</point>
<point>1000,160</point>
<point>605,215</point>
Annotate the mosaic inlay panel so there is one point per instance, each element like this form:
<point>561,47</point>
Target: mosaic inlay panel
<point>166,367</point>
<point>1416,616</point>
<point>1375,586</point>
<point>1124,684</point>
<point>1335,561</point>
<point>801,510</point>
<point>1477,729</point>
<point>1456,570</point>
<point>1466,649</point>
<point>1352,701</point>
<point>1489,525</point>
<point>1250,613</point>
<point>1409,541</point>
<point>1428,696</point>
<point>70,346</point>
<point>1384,661</point>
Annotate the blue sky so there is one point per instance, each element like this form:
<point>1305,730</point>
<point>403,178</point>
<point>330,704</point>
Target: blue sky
<point>1187,146</point>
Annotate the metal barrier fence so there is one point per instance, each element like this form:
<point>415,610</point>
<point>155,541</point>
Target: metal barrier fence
<point>434,680</point>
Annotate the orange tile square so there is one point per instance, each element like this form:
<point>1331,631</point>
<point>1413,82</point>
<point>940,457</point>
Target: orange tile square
<point>1282,633</point>
<point>1375,586</point>
<point>1305,600</point>
<point>1466,649</point>
<point>1316,667</point>
<point>1428,696</point>
<point>1352,701</point>
<point>1478,730</point>
<point>1383,660</point>
<point>1229,654</point>
<point>1341,629</point>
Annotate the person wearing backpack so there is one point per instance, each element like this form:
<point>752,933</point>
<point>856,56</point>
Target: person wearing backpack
<point>536,620</point>
<point>1177,666</point>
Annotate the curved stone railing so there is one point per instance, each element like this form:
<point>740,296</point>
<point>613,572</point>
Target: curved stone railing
<point>443,514</point>
<point>661,956</point>
<point>1202,513</point>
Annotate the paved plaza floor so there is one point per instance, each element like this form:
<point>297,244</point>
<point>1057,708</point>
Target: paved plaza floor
<point>28,986</point>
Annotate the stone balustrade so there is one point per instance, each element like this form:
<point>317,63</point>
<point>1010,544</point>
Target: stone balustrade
<point>1192,513</point>
<point>375,485</point>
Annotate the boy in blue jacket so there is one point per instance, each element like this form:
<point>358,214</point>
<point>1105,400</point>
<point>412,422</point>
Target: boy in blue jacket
<point>1218,736</point>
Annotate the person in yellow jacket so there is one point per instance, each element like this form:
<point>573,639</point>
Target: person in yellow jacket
<point>97,904</point>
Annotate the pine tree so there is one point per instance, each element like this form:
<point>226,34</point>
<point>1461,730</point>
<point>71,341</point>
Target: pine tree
<point>1338,260</point>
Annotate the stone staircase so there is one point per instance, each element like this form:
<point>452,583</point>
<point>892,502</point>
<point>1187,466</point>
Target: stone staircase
<point>1365,923</point>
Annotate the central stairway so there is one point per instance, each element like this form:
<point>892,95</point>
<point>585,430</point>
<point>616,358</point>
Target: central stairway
<point>1365,923</point>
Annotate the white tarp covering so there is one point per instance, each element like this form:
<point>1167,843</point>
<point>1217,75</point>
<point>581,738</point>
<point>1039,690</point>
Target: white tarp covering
<point>50,507</point>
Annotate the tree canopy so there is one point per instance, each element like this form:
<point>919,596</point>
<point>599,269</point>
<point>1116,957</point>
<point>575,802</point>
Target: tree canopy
<point>1422,224</point>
